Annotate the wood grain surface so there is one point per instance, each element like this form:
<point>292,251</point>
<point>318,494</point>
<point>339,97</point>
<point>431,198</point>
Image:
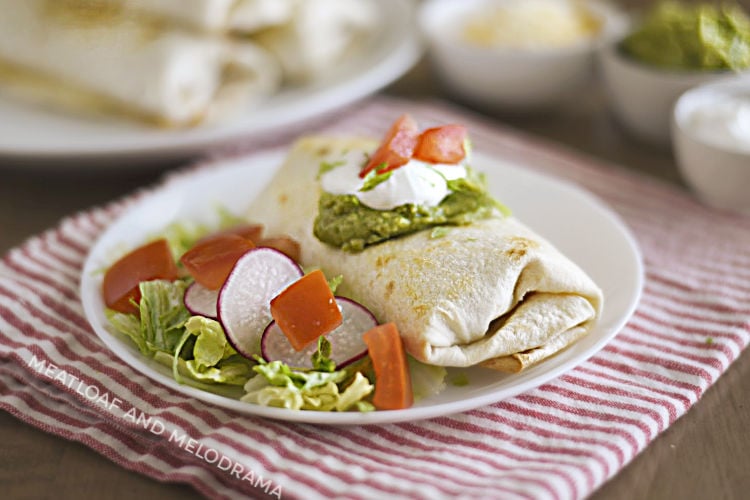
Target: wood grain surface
<point>704,455</point>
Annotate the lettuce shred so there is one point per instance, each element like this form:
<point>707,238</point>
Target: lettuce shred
<point>322,389</point>
<point>426,380</point>
<point>193,346</point>
<point>160,322</point>
<point>280,386</point>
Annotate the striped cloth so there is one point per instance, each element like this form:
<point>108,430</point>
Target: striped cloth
<point>561,440</point>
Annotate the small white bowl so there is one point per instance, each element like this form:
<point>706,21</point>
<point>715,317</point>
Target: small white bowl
<point>715,166</point>
<point>515,79</point>
<point>641,96</point>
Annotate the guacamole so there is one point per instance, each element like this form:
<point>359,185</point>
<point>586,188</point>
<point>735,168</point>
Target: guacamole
<point>344,222</point>
<point>695,37</point>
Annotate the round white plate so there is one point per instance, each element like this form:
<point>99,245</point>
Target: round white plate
<point>31,133</point>
<point>572,219</point>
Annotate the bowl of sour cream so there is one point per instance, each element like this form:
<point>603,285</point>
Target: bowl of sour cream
<point>711,139</point>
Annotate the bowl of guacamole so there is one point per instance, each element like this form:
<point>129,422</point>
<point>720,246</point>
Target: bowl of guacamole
<point>670,49</point>
<point>692,37</point>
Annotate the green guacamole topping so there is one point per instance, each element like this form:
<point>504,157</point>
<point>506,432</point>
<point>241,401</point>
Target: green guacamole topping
<point>699,36</point>
<point>344,222</point>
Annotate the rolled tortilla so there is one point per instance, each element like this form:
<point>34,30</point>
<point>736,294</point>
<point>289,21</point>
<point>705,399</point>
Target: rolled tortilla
<point>104,57</point>
<point>317,35</point>
<point>491,293</point>
<point>236,16</point>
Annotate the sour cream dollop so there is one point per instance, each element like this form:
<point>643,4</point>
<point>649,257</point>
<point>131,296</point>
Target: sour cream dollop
<point>417,183</point>
<point>723,120</point>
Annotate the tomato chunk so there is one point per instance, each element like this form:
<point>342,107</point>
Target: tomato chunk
<point>252,232</point>
<point>397,146</point>
<point>306,309</point>
<point>149,262</point>
<point>444,144</point>
<point>283,244</point>
<point>393,389</point>
<point>209,262</point>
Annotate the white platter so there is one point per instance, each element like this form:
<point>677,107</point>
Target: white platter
<point>575,221</point>
<point>34,134</point>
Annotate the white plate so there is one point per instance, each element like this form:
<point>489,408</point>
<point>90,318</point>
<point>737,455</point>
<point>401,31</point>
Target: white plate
<point>31,133</point>
<point>576,222</point>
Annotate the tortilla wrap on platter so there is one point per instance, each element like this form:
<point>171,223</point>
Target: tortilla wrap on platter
<point>236,16</point>
<point>318,35</point>
<point>106,61</point>
<point>492,293</point>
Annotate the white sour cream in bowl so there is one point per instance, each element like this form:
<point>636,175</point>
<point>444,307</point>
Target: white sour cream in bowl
<point>711,139</point>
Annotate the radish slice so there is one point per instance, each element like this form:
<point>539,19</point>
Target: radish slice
<point>244,299</point>
<point>201,301</point>
<point>346,341</point>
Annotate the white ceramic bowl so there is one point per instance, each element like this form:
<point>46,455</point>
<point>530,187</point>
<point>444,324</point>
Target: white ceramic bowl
<point>716,167</point>
<point>642,97</point>
<point>509,79</point>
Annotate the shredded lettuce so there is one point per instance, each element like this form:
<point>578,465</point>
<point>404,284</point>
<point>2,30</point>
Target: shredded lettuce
<point>129,325</point>
<point>335,282</point>
<point>280,374</point>
<point>213,358</point>
<point>282,386</point>
<point>162,315</point>
<point>211,344</point>
<point>321,359</point>
<point>231,371</point>
<point>279,385</point>
<point>426,380</point>
<point>353,394</point>
<point>195,347</point>
<point>326,397</point>
<point>229,376</point>
<point>182,236</point>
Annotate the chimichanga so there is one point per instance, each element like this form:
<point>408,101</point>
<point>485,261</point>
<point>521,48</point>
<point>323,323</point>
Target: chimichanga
<point>491,292</point>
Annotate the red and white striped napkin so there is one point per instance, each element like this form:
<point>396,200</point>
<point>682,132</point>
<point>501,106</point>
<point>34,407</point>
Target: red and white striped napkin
<point>561,440</point>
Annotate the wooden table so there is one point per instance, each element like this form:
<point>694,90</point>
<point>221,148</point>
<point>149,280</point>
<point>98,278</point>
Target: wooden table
<point>704,455</point>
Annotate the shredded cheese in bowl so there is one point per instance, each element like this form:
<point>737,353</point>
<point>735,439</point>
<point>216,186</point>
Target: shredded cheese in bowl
<point>531,24</point>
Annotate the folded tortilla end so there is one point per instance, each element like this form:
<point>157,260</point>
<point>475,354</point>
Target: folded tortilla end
<point>517,362</point>
<point>508,364</point>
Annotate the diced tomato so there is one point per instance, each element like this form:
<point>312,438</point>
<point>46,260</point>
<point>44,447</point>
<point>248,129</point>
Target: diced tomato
<point>252,232</point>
<point>397,146</point>
<point>209,262</point>
<point>283,244</point>
<point>149,262</point>
<point>306,309</point>
<point>393,389</point>
<point>442,144</point>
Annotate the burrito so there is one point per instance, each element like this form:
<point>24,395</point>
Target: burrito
<point>317,35</point>
<point>235,16</point>
<point>485,291</point>
<point>103,59</point>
